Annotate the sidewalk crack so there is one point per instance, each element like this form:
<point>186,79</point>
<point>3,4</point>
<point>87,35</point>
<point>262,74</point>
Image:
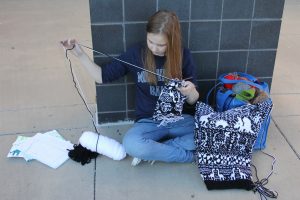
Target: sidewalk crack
<point>286,139</point>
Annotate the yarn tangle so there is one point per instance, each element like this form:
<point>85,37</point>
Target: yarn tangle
<point>81,154</point>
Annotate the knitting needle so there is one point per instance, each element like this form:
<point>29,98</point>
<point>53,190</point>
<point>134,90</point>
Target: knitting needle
<point>126,62</point>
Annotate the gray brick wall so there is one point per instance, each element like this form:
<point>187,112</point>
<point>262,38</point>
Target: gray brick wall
<point>223,35</point>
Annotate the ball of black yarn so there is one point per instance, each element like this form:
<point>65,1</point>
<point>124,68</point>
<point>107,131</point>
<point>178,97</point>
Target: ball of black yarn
<point>81,154</point>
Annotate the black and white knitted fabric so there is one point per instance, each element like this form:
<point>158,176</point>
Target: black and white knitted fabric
<point>224,143</point>
<point>169,105</point>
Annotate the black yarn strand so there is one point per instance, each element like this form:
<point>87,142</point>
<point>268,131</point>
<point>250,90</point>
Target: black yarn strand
<point>259,185</point>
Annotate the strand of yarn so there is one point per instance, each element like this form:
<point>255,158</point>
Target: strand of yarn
<point>122,61</point>
<point>259,185</point>
<point>100,144</point>
<point>79,90</point>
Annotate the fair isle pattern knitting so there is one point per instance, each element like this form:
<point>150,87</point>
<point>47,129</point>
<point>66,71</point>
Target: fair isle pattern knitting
<point>224,143</point>
<point>169,105</point>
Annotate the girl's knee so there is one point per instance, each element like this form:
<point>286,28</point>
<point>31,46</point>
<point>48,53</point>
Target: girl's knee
<point>130,144</point>
<point>134,147</point>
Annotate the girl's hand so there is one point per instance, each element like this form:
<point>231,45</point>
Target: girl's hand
<point>188,89</point>
<point>72,44</point>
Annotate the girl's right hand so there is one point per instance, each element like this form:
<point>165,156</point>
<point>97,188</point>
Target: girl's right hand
<point>69,44</point>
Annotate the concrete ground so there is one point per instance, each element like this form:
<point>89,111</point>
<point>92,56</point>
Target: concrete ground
<point>37,95</point>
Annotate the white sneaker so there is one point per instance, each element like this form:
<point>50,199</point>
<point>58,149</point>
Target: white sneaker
<point>136,161</point>
<point>151,162</point>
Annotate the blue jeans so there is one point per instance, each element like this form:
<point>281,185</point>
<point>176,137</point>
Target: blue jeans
<point>171,143</point>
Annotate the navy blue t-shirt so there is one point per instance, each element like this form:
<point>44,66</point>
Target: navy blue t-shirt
<point>146,94</point>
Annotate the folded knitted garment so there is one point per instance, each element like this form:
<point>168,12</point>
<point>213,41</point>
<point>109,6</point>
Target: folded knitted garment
<point>169,105</point>
<point>224,143</point>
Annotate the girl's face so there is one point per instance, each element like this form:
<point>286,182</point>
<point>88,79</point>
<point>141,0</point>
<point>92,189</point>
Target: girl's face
<point>157,43</point>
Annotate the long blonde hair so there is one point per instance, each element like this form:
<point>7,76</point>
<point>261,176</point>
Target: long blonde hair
<point>165,22</point>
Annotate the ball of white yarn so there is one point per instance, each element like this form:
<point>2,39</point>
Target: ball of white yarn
<point>106,146</point>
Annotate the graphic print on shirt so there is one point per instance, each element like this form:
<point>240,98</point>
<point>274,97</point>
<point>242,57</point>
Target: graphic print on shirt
<point>154,90</point>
